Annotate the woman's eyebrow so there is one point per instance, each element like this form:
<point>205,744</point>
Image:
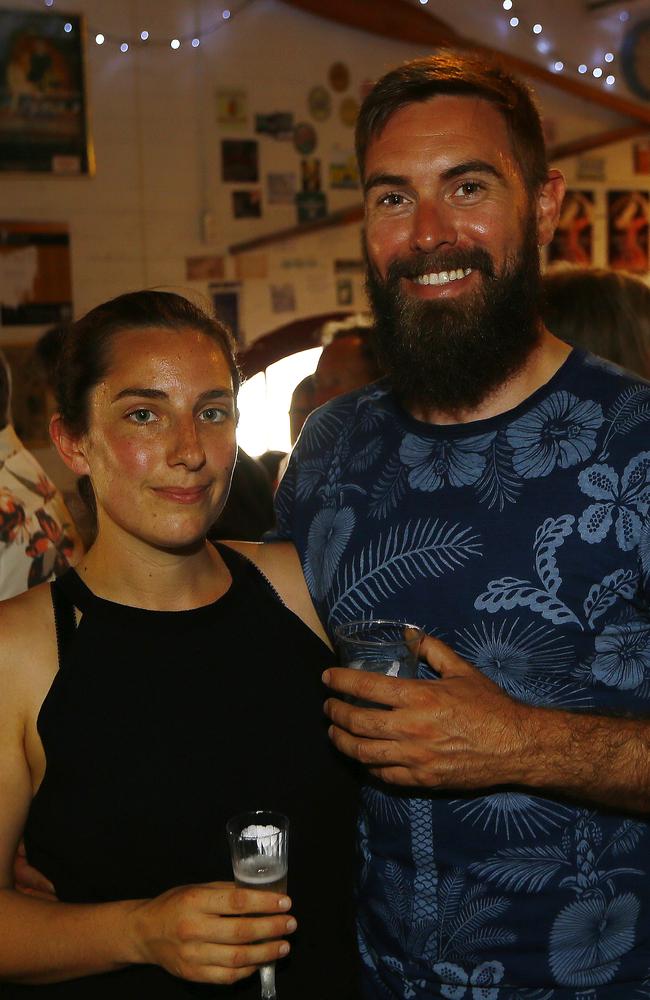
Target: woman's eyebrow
<point>143,393</point>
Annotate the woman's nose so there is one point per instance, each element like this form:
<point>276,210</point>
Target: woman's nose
<point>186,447</point>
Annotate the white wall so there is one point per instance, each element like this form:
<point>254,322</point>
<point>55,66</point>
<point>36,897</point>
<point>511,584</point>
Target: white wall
<point>157,144</point>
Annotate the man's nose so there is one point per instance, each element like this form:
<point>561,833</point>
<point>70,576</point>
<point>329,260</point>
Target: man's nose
<point>433,226</point>
<point>186,447</point>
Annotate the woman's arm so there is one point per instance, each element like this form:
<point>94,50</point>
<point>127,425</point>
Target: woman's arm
<point>280,564</point>
<point>204,933</point>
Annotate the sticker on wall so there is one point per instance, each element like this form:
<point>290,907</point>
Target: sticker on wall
<point>239,160</point>
<point>344,292</point>
<point>348,111</point>
<point>344,173</point>
<point>573,240</point>
<point>628,213</point>
<point>280,188</point>
<point>251,266</point>
<point>305,138</point>
<point>319,101</point>
<point>232,107</point>
<point>339,76</point>
<point>225,298</point>
<point>641,154</point>
<point>277,124</point>
<point>591,168</point>
<point>311,205</point>
<point>247,204</point>
<point>204,268</point>
<point>283,298</point>
<point>310,174</point>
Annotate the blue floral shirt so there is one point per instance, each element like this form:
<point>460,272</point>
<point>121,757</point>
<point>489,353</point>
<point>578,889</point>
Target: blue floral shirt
<point>522,541</point>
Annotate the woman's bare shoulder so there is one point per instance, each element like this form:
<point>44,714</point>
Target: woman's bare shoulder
<point>27,628</point>
<point>280,564</point>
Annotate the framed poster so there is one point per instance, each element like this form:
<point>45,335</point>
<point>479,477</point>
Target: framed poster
<point>628,215</point>
<point>43,127</point>
<point>573,239</point>
<point>35,273</point>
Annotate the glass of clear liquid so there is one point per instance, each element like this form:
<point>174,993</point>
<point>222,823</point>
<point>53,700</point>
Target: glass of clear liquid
<point>259,850</point>
<point>380,646</point>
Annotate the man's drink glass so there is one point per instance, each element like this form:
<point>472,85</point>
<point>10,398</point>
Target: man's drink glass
<point>380,646</point>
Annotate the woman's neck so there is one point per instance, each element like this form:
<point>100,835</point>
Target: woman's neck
<point>156,579</point>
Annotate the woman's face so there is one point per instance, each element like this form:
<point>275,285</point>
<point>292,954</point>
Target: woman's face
<point>160,445</point>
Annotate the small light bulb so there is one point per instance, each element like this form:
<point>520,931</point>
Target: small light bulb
<point>226,14</point>
<point>144,35</point>
<point>175,44</point>
<point>124,47</point>
<point>609,57</point>
<point>514,21</point>
<point>543,46</point>
<point>196,42</point>
<point>582,68</point>
<point>624,15</point>
<point>537,29</point>
<point>611,80</point>
<point>99,39</point>
<point>67,27</point>
<point>49,3</point>
<point>423,2</point>
<point>507,4</point>
<point>558,66</point>
<point>597,72</point>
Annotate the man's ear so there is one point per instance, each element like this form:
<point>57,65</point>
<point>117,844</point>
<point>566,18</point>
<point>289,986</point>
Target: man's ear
<point>549,205</point>
<point>69,446</point>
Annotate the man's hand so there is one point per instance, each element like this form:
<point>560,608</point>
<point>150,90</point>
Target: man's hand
<point>29,880</point>
<point>459,731</point>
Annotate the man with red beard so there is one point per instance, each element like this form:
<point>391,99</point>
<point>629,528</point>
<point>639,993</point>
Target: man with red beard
<point>494,489</point>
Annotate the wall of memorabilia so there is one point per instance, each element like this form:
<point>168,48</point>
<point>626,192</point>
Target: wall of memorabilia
<point>171,165</point>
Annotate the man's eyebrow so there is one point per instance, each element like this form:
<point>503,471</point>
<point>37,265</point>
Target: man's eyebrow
<point>472,167</point>
<point>384,180</point>
<point>143,393</point>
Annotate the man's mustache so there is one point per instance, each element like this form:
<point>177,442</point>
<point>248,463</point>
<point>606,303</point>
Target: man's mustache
<point>427,263</point>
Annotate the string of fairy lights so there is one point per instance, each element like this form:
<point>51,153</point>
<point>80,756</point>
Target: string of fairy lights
<point>143,38</point>
<point>601,69</point>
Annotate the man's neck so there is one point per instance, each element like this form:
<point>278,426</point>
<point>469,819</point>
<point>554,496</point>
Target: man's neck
<point>546,357</point>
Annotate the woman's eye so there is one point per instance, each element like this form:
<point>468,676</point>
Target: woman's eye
<point>141,416</point>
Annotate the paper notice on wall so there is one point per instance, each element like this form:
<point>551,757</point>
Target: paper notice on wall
<point>250,266</point>
<point>17,275</point>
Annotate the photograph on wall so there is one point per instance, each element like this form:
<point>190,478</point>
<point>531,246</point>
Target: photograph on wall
<point>43,126</point>
<point>35,273</point>
<point>239,160</point>
<point>281,188</point>
<point>573,239</point>
<point>247,204</point>
<point>278,125</point>
<point>232,108</point>
<point>628,213</point>
<point>283,298</point>
<point>225,299</point>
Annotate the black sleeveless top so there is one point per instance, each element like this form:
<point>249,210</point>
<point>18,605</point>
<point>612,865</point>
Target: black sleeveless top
<point>157,728</point>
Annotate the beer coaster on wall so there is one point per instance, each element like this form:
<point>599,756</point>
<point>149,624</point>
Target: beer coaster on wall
<point>247,204</point>
<point>339,76</point>
<point>319,102</point>
<point>304,138</point>
<point>348,111</point>
<point>239,160</point>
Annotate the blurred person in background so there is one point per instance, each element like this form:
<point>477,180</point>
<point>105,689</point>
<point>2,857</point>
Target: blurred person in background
<point>604,311</point>
<point>38,540</point>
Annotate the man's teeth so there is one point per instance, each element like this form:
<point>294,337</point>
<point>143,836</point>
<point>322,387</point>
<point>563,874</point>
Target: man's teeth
<point>442,277</point>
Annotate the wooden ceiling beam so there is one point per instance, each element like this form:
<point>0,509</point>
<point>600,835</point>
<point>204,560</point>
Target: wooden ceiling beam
<point>402,21</point>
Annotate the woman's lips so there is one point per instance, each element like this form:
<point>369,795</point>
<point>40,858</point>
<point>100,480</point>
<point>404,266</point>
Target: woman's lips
<point>178,494</point>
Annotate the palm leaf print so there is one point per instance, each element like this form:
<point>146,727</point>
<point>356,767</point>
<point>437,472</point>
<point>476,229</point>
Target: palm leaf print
<point>395,560</point>
<point>308,477</point>
<point>627,837</point>
<point>322,429</point>
<point>630,409</point>
<point>499,484</point>
<point>602,595</point>
<point>362,460</point>
<point>548,538</point>
<point>389,488</point>
<point>470,920</point>
<point>522,869</point>
<point>509,593</point>
<point>473,949</point>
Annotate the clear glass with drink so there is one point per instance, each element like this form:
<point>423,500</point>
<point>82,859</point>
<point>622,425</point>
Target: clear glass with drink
<point>259,851</point>
<point>380,646</point>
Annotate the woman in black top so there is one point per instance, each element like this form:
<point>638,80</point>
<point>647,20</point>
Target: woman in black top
<point>157,689</point>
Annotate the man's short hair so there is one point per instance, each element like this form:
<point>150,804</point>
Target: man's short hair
<point>5,392</point>
<point>463,75</point>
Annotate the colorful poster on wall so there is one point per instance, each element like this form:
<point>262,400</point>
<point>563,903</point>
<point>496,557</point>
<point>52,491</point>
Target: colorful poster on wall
<point>232,108</point>
<point>573,240</point>
<point>628,213</point>
<point>239,160</point>
<point>247,204</point>
<point>344,173</point>
<point>43,126</point>
<point>35,275</point>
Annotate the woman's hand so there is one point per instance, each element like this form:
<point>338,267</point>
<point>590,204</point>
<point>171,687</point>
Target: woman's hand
<point>213,933</point>
<point>29,880</point>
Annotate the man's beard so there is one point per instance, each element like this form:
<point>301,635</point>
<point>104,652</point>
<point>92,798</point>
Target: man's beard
<point>450,354</point>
